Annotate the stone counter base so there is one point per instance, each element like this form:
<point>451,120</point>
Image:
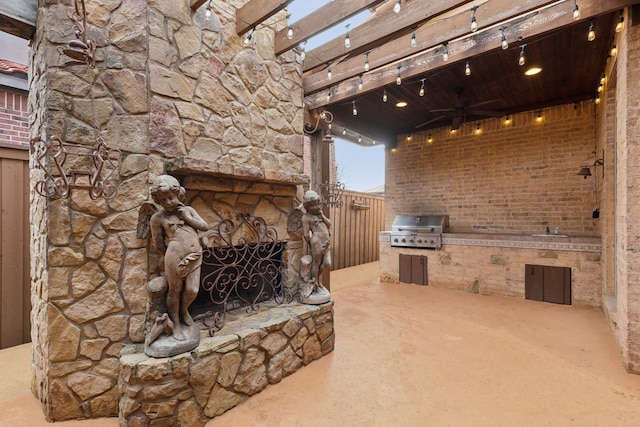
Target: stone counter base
<point>248,354</point>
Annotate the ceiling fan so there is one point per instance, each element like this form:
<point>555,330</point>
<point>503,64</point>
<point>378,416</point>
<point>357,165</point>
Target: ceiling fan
<point>461,108</point>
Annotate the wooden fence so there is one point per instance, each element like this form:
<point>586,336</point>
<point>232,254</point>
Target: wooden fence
<point>15,299</point>
<point>355,228</point>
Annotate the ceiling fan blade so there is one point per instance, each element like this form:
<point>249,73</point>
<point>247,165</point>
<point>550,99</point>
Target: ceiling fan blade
<point>455,123</point>
<point>488,113</point>
<point>430,121</point>
<point>443,110</point>
<point>482,103</point>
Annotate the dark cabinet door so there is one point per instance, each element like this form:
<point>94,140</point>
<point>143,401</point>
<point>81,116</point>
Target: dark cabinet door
<point>413,269</point>
<point>547,283</point>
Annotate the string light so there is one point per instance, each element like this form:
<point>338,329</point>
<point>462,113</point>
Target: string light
<point>289,29</point>
<point>359,138</point>
<point>467,69</point>
<point>474,23</point>
<point>207,12</point>
<point>603,78</point>
<point>329,95</point>
<point>366,61</point>
<point>522,59</point>
<point>600,88</point>
<point>597,100</point>
<point>539,118</point>
<point>360,82</point>
<point>384,95</point>
<point>329,73</point>
<point>422,87</point>
<point>620,24</point>
<point>505,44</point>
<point>396,8</point>
<point>303,54</point>
<point>413,40</point>
<point>354,110</point>
<point>445,54</point>
<point>347,40</point>
<point>591,36</point>
<point>430,140</point>
<point>398,79</point>
<point>576,10</point>
<point>344,131</point>
<point>507,119</point>
<point>478,130</point>
<point>614,50</point>
<point>249,36</point>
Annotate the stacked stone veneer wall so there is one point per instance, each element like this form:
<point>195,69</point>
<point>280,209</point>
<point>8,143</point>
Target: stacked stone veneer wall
<point>509,177</point>
<point>239,361</point>
<point>176,93</point>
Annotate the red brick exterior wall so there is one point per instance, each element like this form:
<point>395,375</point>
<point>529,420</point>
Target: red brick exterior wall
<point>14,119</point>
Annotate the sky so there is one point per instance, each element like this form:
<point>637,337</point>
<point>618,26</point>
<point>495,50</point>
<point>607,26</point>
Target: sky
<point>359,168</point>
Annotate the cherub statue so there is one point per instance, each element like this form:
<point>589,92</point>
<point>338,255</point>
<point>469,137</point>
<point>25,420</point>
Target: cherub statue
<point>174,231</point>
<point>316,231</point>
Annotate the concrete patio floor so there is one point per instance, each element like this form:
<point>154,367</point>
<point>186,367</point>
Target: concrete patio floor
<point>410,355</point>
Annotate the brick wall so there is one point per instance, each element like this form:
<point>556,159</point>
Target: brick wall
<point>14,119</point>
<point>506,177</point>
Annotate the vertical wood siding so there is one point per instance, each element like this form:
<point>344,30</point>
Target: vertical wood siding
<point>355,227</point>
<point>15,304</point>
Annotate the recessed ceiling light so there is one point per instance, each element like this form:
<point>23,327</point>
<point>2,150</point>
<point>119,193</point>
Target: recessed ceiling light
<point>533,71</point>
<point>401,104</point>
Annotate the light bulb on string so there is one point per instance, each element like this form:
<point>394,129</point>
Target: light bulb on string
<point>384,95</point>
<point>445,54</point>
<point>396,7</point>
<point>614,50</point>
<point>360,82</point>
<point>303,54</point>
<point>413,39</point>
<point>467,69</point>
<point>620,24</point>
<point>366,61</point>
<point>359,138</point>
<point>344,131</point>
<point>522,59</point>
<point>347,40</point>
<point>591,35</point>
<point>398,78</point>
<point>505,44</point>
<point>474,23</point>
<point>289,29</point>
<point>329,73</point>
<point>421,93</point>
<point>576,10</point>
<point>329,95</point>
<point>354,109</point>
<point>603,78</point>
<point>207,11</point>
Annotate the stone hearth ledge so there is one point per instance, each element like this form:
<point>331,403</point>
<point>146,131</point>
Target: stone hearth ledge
<point>251,352</point>
<point>189,166</point>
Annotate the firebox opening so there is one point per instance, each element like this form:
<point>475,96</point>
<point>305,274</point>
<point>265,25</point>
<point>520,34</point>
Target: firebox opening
<point>238,276</point>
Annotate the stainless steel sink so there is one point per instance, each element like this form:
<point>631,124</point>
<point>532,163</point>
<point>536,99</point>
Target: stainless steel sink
<point>549,235</point>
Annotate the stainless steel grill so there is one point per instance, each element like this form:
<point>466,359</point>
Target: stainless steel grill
<point>419,231</point>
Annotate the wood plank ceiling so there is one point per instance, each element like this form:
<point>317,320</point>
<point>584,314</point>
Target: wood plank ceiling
<point>553,40</point>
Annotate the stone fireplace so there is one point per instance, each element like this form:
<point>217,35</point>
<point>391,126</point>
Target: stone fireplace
<point>175,93</point>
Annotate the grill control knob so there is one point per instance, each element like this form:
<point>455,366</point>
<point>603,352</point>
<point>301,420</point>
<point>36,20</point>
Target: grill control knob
<point>404,240</point>
<point>395,239</point>
<point>410,240</point>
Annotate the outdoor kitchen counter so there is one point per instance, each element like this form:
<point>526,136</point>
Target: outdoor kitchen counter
<point>506,240</point>
<point>495,263</point>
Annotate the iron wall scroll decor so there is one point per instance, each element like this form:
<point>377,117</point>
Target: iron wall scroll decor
<point>331,193</point>
<point>99,160</point>
<point>80,49</point>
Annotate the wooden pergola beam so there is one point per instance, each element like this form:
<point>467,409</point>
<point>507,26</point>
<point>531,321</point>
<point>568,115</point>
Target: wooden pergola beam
<point>554,17</point>
<point>328,15</point>
<point>18,17</point>
<point>428,36</point>
<point>384,25</point>
<point>257,11</point>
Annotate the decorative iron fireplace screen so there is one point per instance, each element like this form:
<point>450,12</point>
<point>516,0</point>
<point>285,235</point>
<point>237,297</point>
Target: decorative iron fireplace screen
<point>241,267</point>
